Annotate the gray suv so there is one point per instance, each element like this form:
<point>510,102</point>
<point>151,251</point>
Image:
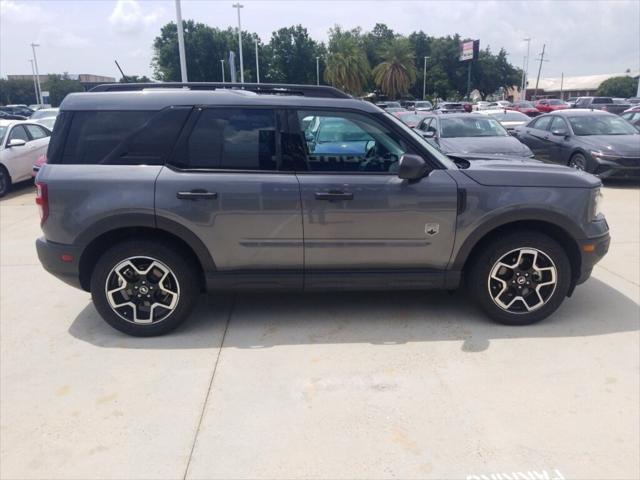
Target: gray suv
<point>152,195</point>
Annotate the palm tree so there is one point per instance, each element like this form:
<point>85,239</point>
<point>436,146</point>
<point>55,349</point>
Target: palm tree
<point>395,75</point>
<point>347,64</point>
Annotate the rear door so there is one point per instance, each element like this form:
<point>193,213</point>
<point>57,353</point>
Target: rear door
<point>358,216</point>
<point>225,186</point>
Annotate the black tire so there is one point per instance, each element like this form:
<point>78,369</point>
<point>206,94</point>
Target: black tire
<point>579,162</point>
<point>5,181</point>
<point>480,284</point>
<point>185,281</point>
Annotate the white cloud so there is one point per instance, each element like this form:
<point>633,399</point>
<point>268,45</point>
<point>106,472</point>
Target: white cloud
<point>128,16</point>
<point>22,12</point>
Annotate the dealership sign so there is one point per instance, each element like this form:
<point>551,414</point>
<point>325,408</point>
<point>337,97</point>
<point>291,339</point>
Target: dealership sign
<point>469,50</point>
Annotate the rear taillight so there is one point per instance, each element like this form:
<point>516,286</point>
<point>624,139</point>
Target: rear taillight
<point>42,200</point>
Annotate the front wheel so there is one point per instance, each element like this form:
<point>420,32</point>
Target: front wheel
<point>144,288</point>
<point>521,278</point>
<point>5,181</point>
<point>578,161</point>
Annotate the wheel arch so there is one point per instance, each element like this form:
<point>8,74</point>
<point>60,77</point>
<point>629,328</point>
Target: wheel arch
<point>565,235</point>
<point>179,237</point>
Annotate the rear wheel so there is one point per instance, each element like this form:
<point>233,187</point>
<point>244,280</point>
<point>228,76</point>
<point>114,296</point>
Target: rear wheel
<point>521,278</point>
<point>144,288</point>
<point>578,161</point>
<point>5,181</point>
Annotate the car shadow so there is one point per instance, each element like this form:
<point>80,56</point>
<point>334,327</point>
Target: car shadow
<point>381,318</point>
<point>18,189</point>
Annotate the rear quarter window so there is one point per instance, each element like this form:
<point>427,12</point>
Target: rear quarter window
<point>116,137</point>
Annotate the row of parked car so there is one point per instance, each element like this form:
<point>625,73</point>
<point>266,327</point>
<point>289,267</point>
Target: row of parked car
<point>24,139</point>
<point>595,141</point>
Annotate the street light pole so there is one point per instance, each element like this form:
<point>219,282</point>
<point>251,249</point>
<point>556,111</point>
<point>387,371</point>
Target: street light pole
<point>35,85</point>
<point>317,70</point>
<point>183,60</point>
<point>222,67</point>
<point>238,6</point>
<point>257,64</point>
<point>525,70</point>
<point>35,62</point>
<point>424,79</point>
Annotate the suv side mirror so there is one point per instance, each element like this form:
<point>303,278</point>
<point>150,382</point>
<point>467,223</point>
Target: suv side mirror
<point>16,142</point>
<point>560,132</point>
<point>412,167</point>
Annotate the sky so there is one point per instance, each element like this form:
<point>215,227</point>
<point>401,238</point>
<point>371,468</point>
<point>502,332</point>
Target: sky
<point>86,36</point>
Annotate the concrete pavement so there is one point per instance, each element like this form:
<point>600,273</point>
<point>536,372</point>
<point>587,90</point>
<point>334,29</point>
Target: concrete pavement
<point>358,385</point>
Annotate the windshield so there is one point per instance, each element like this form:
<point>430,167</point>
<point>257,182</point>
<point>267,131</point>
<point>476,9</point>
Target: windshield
<point>393,105</point>
<point>412,119</point>
<point>471,127</point>
<point>3,130</point>
<point>441,157</point>
<point>601,125</point>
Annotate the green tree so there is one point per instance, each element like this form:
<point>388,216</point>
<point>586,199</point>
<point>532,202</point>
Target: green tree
<point>491,72</point>
<point>376,41</point>
<point>293,56</point>
<point>347,64</point>
<point>135,79</point>
<point>420,44</point>
<point>397,72</point>
<point>17,91</point>
<point>623,87</point>
<point>59,86</point>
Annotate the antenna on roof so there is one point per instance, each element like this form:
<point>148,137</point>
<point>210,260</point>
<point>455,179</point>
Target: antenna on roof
<point>121,72</point>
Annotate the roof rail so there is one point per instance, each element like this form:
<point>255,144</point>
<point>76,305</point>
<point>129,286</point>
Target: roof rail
<point>321,91</point>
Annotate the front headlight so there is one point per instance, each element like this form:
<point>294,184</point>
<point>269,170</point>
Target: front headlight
<point>595,209</point>
<point>603,155</point>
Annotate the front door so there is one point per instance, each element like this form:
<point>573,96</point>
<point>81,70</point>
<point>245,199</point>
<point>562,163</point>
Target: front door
<point>536,137</point>
<point>225,186</point>
<point>358,215</point>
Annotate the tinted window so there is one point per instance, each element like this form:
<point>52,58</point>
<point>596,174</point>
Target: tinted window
<point>233,138</point>
<point>542,123</point>
<point>558,124</point>
<point>602,100</point>
<point>37,132</point>
<point>581,102</point>
<point>601,125</point>
<point>349,142</point>
<point>18,133</point>
<point>122,137</point>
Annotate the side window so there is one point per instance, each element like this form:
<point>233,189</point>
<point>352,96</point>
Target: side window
<point>37,132</point>
<point>558,124</point>
<point>232,138</point>
<point>122,137</point>
<point>18,133</point>
<point>349,142</point>
<point>542,123</point>
<point>582,102</point>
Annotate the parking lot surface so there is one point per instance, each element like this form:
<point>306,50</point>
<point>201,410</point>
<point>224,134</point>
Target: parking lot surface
<point>358,385</point>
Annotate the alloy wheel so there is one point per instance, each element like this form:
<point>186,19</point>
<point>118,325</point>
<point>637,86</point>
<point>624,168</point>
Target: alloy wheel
<point>142,290</point>
<point>522,280</point>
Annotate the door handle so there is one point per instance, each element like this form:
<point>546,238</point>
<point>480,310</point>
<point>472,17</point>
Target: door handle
<point>197,194</point>
<point>334,196</point>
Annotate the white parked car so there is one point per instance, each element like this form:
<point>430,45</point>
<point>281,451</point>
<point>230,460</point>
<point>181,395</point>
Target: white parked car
<point>21,143</point>
<point>44,112</point>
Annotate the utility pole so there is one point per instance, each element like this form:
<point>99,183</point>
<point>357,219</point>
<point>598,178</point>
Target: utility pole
<point>35,62</point>
<point>257,64</point>
<point>535,92</point>
<point>35,85</point>
<point>523,91</point>
<point>317,70</point>
<point>183,59</point>
<point>561,85</point>
<point>238,6</point>
<point>469,81</point>
<point>525,69</point>
<point>424,79</point>
<point>222,67</point>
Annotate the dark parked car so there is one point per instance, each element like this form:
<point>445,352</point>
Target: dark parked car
<point>472,133</point>
<point>605,104</point>
<point>450,107</point>
<point>633,100</point>
<point>149,198</point>
<point>590,140</point>
<point>10,116</point>
<point>21,110</point>
<point>550,105</point>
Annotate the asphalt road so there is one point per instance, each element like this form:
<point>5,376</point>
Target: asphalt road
<point>358,385</point>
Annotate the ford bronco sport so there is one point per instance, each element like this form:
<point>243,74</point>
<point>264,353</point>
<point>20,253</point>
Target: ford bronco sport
<point>152,195</point>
